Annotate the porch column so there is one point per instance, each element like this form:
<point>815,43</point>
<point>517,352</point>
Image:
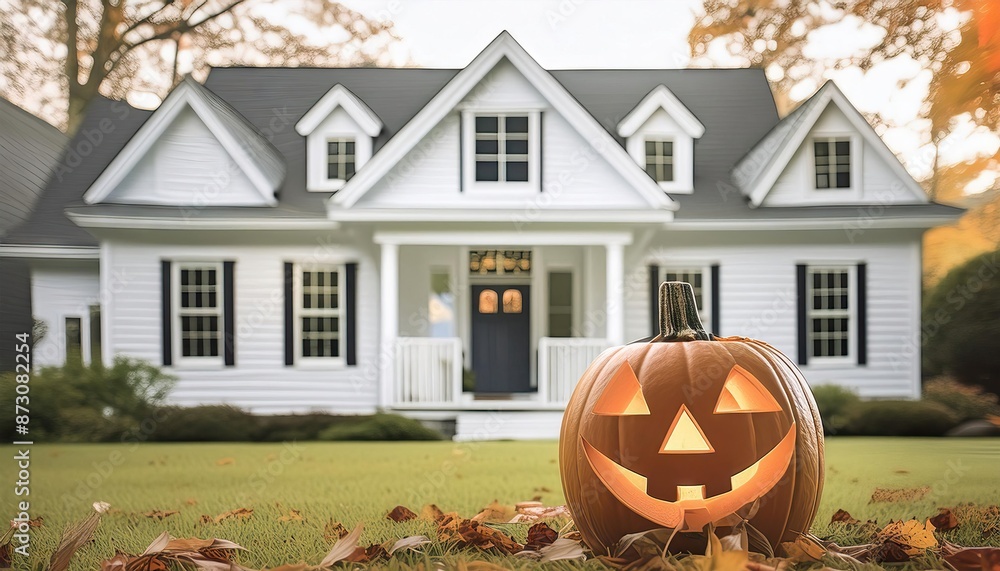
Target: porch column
<point>614,292</point>
<point>389,313</point>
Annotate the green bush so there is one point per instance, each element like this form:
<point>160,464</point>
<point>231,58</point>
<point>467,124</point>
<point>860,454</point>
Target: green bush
<point>211,423</point>
<point>381,427</point>
<point>297,427</point>
<point>899,418</point>
<point>96,403</point>
<point>835,406</point>
<point>961,322</point>
<point>968,403</point>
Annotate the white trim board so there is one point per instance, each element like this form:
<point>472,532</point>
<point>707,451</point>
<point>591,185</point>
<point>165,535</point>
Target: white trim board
<point>661,98</point>
<point>487,214</point>
<point>340,96</point>
<point>446,100</point>
<point>440,238</point>
<point>183,96</point>
<point>181,223</point>
<point>51,252</point>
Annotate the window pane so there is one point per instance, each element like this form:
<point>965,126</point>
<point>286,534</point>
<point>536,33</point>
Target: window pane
<point>488,301</point>
<point>843,148</point>
<point>488,171</point>
<point>517,124</point>
<point>517,147</point>
<point>486,124</point>
<point>487,147</point>
<point>512,301</point>
<point>517,172</point>
<point>843,180</point>
<point>650,148</point>
<point>95,334</point>
<point>74,339</point>
<point>822,148</point>
<point>560,325</point>
<point>560,288</point>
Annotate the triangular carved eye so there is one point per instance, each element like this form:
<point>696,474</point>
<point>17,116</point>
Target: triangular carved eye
<point>622,396</point>
<point>685,436</point>
<point>744,393</point>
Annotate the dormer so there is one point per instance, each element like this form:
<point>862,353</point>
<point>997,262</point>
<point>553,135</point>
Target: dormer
<point>659,134</point>
<point>339,131</point>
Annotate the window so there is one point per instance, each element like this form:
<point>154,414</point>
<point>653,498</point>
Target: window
<point>74,339</point>
<point>320,312</point>
<point>828,312</point>
<point>340,159</point>
<point>697,278</point>
<point>560,304</point>
<point>199,311</point>
<point>833,162</point>
<point>441,305</point>
<point>488,301</point>
<point>501,148</point>
<point>512,301</point>
<point>660,160</point>
<point>95,334</point>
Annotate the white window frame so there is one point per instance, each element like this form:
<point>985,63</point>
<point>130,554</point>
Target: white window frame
<point>853,191</point>
<point>850,314</point>
<point>705,312</point>
<point>176,314</point>
<point>336,181</point>
<point>501,188</point>
<point>650,138</point>
<point>299,312</point>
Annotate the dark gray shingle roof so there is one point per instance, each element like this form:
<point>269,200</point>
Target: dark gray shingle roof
<point>29,148</point>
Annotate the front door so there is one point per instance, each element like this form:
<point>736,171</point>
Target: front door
<point>501,338</point>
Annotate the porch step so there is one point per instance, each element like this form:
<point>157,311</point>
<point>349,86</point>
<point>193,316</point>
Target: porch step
<point>507,425</point>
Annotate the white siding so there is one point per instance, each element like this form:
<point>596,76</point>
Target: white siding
<point>875,182</point>
<point>187,166</point>
<point>574,174</point>
<point>60,290</point>
<point>260,381</point>
<point>758,296</point>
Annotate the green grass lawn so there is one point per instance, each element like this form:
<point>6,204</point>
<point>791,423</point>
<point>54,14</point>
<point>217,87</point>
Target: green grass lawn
<point>360,482</point>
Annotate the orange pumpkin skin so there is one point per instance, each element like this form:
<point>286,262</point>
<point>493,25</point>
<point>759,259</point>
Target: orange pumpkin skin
<point>691,374</point>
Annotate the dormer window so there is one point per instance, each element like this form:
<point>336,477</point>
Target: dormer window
<point>660,159</point>
<point>501,150</point>
<point>833,162</point>
<point>340,159</point>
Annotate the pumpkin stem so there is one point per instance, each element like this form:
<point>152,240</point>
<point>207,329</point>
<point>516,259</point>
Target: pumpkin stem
<point>679,319</point>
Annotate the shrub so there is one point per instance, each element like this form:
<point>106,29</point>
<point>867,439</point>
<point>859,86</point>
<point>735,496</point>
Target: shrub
<point>835,406</point>
<point>381,427</point>
<point>899,418</point>
<point>968,403</point>
<point>295,427</point>
<point>961,321</point>
<point>211,423</point>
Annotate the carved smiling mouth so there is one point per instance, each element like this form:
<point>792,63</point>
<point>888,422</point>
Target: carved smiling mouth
<point>692,507</point>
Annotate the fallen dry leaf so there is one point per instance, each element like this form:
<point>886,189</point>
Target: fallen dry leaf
<point>344,548</point>
<point>841,516</point>
<point>238,513</point>
<point>191,502</point>
<point>975,559</point>
<point>334,530</point>
<point>495,512</point>
<point>881,495</point>
<point>160,514</point>
<point>804,549</point>
<point>75,537</point>
<point>470,533</point>
<point>225,461</point>
<point>292,567</point>
<point>411,543</point>
<point>945,520</point>
<point>401,514</point>
<point>292,515</point>
<point>540,535</point>
<point>911,536</point>
<point>431,512</point>
<point>116,563</point>
<point>563,549</point>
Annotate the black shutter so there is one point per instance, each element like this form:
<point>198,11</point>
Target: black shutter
<point>289,315</point>
<point>862,314</point>
<point>350,313</point>
<point>803,345</point>
<point>165,319</point>
<point>654,299</point>
<point>228,314</point>
<point>716,313</point>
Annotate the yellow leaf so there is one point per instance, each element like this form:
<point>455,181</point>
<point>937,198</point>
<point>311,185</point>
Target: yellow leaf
<point>914,537</point>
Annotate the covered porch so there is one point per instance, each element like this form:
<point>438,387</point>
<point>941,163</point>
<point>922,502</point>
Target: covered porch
<point>495,321</point>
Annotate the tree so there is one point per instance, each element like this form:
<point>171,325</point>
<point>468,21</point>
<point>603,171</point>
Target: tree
<point>60,55</point>
<point>958,41</point>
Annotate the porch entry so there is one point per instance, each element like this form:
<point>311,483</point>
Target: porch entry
<point>501,338</point>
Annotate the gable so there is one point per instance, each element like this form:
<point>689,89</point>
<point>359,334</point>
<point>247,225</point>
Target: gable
<point>872,178</point>
<point>187,165</point>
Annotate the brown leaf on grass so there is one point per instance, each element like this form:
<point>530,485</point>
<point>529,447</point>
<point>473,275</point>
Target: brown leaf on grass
<point>5,547</point>
<point>225,461</point>
<point>401,514</point>
<point>431,512</point>
<point>470,533</point>
<point>301,566</point>
<point>149,562</point>
<point>540,535</point>
<point>116,563</point>
<point>238,513</point>
<point>719,559</point>
<point>334,530</point>
<point>890,552</point>
<point>75,537</point>
<point>375,552</point>
<point>542,490</point>
<point>841,516</point>
<point>344,548</point>
<point>804,549</point>
<point>883,495</point>
<point>495,513</point>
<point>974,559</point>
<point>911,536</point>
<point>945,520</point>
<point>191,502</point>
<point>205,519</point>
<point>292,515</point>
<point>160,514</point>
<point>37,522</point>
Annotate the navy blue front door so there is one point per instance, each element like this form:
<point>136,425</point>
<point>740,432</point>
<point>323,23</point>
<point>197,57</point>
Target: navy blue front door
<point>501,338</point>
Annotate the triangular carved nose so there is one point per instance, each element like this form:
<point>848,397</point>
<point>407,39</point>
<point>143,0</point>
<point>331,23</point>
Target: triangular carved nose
<point>685,436</point>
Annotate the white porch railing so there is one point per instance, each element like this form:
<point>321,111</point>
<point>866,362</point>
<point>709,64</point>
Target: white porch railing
<point>561,361</point>
<point>428,371</point>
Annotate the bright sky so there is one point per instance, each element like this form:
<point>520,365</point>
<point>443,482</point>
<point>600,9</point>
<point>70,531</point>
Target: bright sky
<point>653,34</point>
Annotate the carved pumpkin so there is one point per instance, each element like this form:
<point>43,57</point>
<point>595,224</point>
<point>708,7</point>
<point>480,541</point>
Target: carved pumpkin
<point>689,429</point>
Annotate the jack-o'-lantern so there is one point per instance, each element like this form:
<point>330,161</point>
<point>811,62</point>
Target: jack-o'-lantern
<point>689,429</point>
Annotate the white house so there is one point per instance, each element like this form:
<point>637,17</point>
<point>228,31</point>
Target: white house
<point>349,240</point>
